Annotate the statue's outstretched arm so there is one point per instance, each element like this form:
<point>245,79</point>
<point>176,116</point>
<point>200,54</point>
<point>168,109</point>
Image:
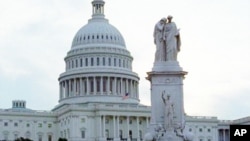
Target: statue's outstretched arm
<point>162,96</point>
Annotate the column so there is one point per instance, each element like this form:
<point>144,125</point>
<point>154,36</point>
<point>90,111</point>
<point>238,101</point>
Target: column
<point>81,87</point>
<point>108,86</point>
<point>99,126</point>
<point>104,127</point>
<point>224,135</point>
<point>115,87</point>
<point>126,91</point>
<point>114,129</point>
<point>122,93</point>
<point>94,81</point>
<point>134,91</point>
<point>60,90</point>
<point>87,81</point>
<point>66,88</point>
<point>128,138</point>
<point>137,90</point>
<point>70,88</point>
<point>138,128</point>
<point>118,126</point>
<point>131,88</point>
<point>74,87</point>
<point>118,87</point>
<point>147,121</point>
<point>101,85</point>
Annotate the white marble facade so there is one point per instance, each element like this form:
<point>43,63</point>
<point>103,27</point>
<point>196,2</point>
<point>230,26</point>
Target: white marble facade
<point>92,106</point>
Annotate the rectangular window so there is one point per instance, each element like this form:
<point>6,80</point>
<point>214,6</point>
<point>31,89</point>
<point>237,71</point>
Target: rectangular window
<point>15,136</point>
<point>98,61</point>
<point>114,61</point>
<point>91,85</point>
<point>6,137</point>
<point>109,61</point>
<point>81,62</point>
<point>86,61</point>
<point>130,121</point>
<point>40,125</point>
<point>15,124</point>
<point>98,81</point>
<point>83,120</point>
<point>6,124</point>
<point>83,134</point>
<point>49,125</point>
<point>103,61</point>
<point>61,134</point>
<point>76,63</point>
<point>40,138</point>
<point>49,137</point>
<point>140,122</point>
<point>106,121</point>
<point>92,61</point>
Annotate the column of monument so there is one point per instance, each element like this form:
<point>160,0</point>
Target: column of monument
<point>167,109</point>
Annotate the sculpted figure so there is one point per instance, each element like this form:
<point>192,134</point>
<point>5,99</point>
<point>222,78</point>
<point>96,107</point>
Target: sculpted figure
<point>158,40</point>
<point>169,111</point>
<point>172,40</point>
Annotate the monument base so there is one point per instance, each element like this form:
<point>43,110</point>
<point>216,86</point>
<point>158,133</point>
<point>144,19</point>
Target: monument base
<point>166,66</point>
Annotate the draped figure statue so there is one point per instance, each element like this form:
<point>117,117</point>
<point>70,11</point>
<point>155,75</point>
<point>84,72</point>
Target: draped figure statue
<point>158,40</point>
<point>171,36</point>
<point>167,40</point>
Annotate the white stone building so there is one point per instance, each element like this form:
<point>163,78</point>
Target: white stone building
<point>93,105</point>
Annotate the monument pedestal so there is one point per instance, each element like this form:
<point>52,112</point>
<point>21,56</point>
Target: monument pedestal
<point>167,99</point>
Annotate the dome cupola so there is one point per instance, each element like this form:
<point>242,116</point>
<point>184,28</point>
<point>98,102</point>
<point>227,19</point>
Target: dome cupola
<point>98,31</point>
<point>98,65</point>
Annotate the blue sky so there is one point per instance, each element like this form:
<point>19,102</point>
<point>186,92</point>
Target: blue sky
<point>36,35</point>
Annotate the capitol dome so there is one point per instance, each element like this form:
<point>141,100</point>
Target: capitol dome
<point>98,65</point>
<point>98,31</point>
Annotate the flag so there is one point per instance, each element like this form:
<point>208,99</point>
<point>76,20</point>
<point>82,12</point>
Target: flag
<point>125,96</point>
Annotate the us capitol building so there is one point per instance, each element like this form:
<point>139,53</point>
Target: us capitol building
<point>99,96</point>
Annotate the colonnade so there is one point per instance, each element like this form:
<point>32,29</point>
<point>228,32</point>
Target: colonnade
<point>119,130</point>
<point>98,85</point>
<point>224,135</point>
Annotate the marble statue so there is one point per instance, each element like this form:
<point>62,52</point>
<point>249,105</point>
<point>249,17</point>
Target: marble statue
<point>167,40</point>
<point>158,40</point>
<point>171,36</point>
<point>168,112</point>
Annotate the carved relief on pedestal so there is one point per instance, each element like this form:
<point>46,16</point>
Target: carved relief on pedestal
<point>168,80</point>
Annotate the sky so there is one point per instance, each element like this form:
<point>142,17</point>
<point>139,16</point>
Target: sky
<point>35,36</point>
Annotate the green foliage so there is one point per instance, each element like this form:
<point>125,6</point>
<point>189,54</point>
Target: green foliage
<point>23,139</point>
<point>62,139</point>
